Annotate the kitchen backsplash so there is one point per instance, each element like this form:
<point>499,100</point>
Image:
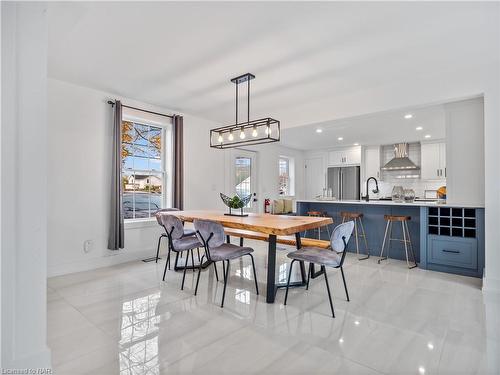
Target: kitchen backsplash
<point>385,187</point>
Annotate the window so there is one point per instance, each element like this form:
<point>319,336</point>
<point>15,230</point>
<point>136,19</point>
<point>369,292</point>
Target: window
<point>243,176</point>
<point>145,162</point>
<point>285,176</point>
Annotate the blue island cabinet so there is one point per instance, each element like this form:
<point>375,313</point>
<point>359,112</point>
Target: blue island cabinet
<point>446,239</point>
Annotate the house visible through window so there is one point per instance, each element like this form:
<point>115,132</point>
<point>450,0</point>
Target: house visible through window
<point>144,172</point>
<point>286,174</point>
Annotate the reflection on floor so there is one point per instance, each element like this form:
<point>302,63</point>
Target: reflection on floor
<point>125,320</point>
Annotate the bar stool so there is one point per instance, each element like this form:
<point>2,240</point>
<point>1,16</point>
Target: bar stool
<point>406,240</point>
<point>357,217</point>
<point>318,214</point>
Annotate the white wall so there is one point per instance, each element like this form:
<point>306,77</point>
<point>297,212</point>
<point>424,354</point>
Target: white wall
<point>79,139</point>
<point>465,151</point>
<point>23,288</point>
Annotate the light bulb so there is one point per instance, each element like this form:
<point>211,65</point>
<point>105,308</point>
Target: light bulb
<point>254,132</point>
<point>268,130</point>
<point>221,138</point>
<point>230,136</point>
<point>242,134</point>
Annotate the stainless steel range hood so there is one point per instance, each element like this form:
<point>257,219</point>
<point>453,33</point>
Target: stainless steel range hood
<point>401,161</point>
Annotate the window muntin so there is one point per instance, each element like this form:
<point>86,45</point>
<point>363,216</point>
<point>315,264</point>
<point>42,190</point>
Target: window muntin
<point>143,173</point>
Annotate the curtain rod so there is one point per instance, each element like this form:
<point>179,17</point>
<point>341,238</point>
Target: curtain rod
<point>140,109</point>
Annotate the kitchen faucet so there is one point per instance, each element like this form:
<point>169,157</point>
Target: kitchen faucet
<point>375,191</point>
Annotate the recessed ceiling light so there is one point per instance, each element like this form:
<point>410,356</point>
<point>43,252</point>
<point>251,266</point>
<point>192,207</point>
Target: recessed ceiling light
<point>356,144</point>
<point>430,345</point>
<point>340,138</point>
<point>419,128</point>
<point>341,340</point>
<point>421,370</point>
<point>408,116</point>
<point>319,130</point>
<point>356,322</point>
<point>427,136</point>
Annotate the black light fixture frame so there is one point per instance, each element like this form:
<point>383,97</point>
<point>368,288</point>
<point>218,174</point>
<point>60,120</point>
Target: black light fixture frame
<point>266,123</point>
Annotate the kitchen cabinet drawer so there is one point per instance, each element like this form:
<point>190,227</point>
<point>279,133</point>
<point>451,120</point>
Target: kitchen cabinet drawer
<point>452,251</point>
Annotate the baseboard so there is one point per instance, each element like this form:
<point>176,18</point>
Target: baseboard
<point>39,360</point>
<point>113,258</point>
<point>491,285</point>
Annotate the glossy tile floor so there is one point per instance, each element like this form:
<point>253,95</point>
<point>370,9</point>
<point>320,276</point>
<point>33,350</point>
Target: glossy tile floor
<point>125,320</point>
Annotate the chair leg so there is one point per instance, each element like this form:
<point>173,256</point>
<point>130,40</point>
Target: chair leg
<point>383,243</point>
<point>345,285</point>
<point>288,281</point>
<point>192,259</point>
<point>185,268</point>
<point>226,277</point>
<point>408,238</point>
<point>158,248</point>
<point>308,275</point>
<point>198,250</point>
<point>254,274</point>
<point>199,273</point>
<point>165,270</point>
<point>364,236</point>
<point>328,289</point>
<point>168,258</point>
<point>215,267</point>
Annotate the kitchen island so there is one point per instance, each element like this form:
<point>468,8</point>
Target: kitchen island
<point>445,237</point>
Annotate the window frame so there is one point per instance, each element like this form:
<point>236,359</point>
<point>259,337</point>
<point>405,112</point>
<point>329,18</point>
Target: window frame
<point>290,162</point>
<point>166,158</point>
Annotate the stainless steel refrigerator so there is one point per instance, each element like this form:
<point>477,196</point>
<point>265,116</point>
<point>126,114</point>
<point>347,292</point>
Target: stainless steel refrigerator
<point>344,182</point>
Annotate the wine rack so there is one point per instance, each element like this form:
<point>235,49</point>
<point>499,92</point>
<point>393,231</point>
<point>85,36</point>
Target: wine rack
<point>454,222</point>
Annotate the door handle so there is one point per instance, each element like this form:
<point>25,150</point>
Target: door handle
<point>451,251</point>
<point>437,172</point>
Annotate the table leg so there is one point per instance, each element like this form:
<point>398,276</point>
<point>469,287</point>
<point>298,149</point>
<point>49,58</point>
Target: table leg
<point>271,269</point>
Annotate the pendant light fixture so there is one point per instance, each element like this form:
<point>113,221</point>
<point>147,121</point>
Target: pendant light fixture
<point>264,130</point>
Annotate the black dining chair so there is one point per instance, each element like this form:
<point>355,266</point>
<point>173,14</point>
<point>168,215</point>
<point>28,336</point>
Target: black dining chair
<point>187,231</point>
<point>177,242</point>
<point>325,258</point>
<point>211,235</point>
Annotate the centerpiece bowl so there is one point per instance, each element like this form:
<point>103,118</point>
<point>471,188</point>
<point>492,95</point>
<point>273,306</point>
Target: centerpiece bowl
<point>235,203</point>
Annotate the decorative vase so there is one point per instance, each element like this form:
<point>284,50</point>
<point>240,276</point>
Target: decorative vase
<point>235,203</point>
<point>397,194</point>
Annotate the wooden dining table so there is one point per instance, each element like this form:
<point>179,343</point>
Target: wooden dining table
<point>270,225</point>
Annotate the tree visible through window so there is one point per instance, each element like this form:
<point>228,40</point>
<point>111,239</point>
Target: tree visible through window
<point>284,176</point>
<point>143,172</point>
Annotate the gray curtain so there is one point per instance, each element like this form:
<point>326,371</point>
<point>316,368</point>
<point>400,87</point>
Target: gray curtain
<point>116,238</point>
<point>178,162</point>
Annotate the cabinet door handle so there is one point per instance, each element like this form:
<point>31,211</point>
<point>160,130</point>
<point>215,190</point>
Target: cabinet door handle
<point>444,171</point>
<point>437,172</point>
<point>451,251</point>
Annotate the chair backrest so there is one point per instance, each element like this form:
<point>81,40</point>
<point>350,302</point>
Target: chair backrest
<point>210,233</point>
<point>172,224</point>
<point>341,235</point>
<point>159,212</point>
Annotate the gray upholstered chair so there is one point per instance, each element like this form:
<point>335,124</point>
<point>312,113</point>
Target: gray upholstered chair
<point>325,258</point>
<point>211,235</point>
<point>177,242</point>
<point>187,232</point>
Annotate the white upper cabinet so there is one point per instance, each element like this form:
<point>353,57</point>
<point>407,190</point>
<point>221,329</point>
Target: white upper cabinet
<point>347,156</point>
<point>433,161</point>
<point>372,162</point>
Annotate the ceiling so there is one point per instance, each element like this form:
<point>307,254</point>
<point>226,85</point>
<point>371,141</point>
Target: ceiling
<point>306,56</point>
<point>375,129</point>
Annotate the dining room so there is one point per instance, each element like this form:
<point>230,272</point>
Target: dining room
<point>254,187</point>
